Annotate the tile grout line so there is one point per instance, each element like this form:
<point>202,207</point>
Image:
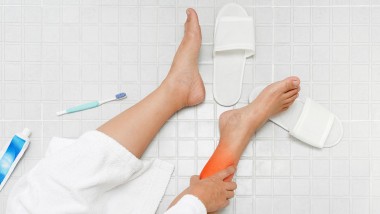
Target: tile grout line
<point>100,44</point>
<point>311,87</point>
<point>330,95</point>
<point>60,62</point>
<point>350,108</point>
<point>41,84</point>
<point>120,59</point>
<point>369,109</point>
<point>2,106</point>
<point>81,61</point>
<point>100,61</point>
<point>22,102</point>
<point>272,128</point>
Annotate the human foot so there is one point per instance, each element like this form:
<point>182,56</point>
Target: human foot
<point>237,126</point>
<point>184,78</point>
<point>240,124</point>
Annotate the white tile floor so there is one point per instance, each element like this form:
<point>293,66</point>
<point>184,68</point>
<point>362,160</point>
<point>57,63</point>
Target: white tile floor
<point>57,53</point>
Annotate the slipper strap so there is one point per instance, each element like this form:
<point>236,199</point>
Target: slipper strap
<point>235,33</point>
<point>314,124</point>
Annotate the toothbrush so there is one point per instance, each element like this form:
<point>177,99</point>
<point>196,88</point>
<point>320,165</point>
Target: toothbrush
<point>91,105</point>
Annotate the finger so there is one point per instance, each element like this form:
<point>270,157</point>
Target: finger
<point>230,194</point>
<point>231,186</point>
<point>226,203</point>
<point>225,172</point>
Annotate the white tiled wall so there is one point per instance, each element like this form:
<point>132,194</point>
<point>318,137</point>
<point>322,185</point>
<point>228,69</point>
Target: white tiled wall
<point>57,53</point>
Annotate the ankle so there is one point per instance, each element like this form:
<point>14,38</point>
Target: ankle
<point>256,117</point>
<point>174,94</point>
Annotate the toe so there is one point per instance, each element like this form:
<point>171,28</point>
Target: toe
<point>291,83</point>
<point>192,27</point>
<point>192,16</point>
<point>291,99</point>
<point>291,93</point>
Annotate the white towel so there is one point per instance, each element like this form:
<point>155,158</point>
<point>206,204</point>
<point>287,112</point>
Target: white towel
<point>92,174</point>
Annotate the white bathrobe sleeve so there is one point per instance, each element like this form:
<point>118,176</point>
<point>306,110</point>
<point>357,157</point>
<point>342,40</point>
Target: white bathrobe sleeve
<point>188,204</point>
<point>75,177</point>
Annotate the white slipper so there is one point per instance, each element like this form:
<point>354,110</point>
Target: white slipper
<point>308,121</point>
<point>233,43</point>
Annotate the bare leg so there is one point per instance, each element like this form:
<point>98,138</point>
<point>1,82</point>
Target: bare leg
<point>136,127</point>
<point>238,126</point>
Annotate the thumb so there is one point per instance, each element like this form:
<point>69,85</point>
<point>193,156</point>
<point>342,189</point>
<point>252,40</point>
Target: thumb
<point>194,179</point>
<point>225,172</point>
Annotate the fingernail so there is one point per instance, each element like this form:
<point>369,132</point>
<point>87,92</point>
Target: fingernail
<point>187,12</point>
<point>295,82</point>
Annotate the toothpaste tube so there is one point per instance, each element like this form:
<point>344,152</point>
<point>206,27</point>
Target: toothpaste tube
<point>11,153</point>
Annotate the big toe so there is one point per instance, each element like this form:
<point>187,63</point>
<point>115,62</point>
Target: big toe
<point>290,83</point>
<point>192,28</point>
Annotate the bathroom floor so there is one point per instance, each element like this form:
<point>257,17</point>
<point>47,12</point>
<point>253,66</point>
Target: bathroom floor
<point>58,53</point>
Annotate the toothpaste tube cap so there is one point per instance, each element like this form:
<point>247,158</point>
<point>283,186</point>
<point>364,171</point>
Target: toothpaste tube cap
<point>26,132</point>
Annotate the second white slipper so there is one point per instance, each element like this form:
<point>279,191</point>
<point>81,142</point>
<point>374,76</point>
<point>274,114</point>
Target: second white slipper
<point>233,43</point>
<point>308,121</point>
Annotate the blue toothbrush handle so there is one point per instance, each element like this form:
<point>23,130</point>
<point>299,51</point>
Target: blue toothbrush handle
<point>83,107</point>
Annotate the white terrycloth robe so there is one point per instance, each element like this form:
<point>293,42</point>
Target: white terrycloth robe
<point>94,174</point>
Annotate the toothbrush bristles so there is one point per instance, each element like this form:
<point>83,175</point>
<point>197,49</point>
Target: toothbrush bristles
<point>120,95</point>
